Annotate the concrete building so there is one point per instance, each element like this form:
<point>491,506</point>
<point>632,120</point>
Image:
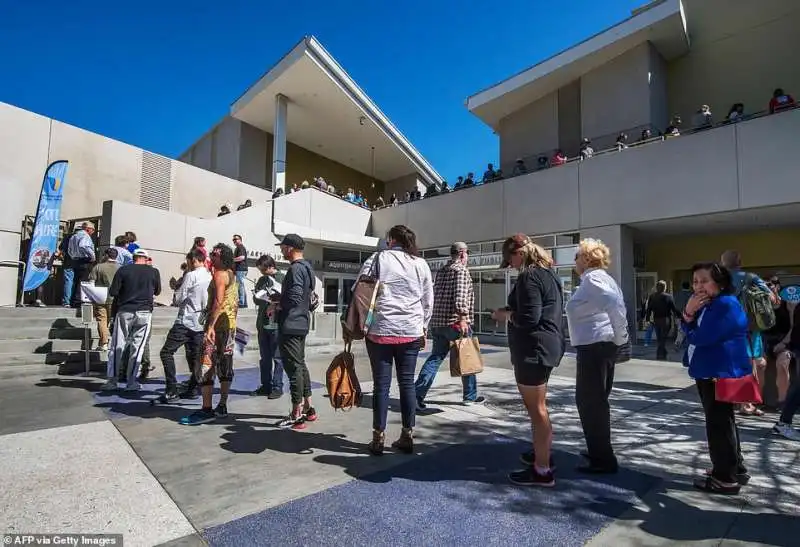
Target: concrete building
<point>661,205</point>
<point>304,118</point>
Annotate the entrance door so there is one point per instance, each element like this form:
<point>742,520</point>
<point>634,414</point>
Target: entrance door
<point>330,301</point>
<point>338,291</point>
<point>645,283</point>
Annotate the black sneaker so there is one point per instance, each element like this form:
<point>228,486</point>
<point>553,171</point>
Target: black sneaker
<point>169,396</point>
<point>529,458</point>
<point>221,411</point>
<point>529,477</point>
<point>261,391</point>
<point>186,393</point>
<point>275,394</point>
<point>479,400</point>
<point>421,404</point>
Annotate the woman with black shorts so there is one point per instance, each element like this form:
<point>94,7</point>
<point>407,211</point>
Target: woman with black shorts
<point>536,343</point>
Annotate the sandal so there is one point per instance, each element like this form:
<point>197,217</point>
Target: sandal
<point>714,486</point>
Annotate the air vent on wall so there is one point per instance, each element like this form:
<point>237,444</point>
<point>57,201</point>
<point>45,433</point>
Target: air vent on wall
<point>156,185</point>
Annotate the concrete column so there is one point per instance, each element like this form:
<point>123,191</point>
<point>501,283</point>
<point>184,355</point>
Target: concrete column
<point>619,239</point>
<point>279,143</point>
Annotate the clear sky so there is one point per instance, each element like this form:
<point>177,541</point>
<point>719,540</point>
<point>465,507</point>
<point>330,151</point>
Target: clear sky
<point>159,74</point>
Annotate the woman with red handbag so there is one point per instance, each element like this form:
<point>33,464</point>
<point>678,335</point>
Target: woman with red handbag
<point>718,359</point>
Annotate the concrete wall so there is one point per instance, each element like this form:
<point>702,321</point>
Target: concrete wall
<point>253,149</point>
<point>756,55</point>
<point>616,95</point>
<point>746,165</point>
<point>659,97</point>
<point>400,186</point>
<point>529,131</point>
<point>569,118</point>
<point>100,169</point>
<point>317,215</point>
<point>620,241</point>
<point>168,235</point>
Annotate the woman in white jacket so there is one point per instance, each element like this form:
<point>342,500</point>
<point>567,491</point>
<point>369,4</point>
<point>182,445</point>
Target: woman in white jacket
<point>402,312</point>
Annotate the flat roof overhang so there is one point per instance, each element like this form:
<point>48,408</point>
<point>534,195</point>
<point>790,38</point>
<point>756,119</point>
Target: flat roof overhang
<point>328,114</point>
<point>663,24</point>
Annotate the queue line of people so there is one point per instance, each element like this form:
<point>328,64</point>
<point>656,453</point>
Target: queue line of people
<point>720,340</point>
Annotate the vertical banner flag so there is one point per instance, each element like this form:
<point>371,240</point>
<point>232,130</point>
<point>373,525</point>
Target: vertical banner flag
<point>44,240</point>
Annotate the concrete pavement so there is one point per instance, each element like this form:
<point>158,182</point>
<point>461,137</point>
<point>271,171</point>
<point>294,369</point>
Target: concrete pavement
<point>235,480</point>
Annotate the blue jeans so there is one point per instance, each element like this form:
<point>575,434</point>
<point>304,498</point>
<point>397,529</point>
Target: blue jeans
<point>270,364</point>
<point>240,276</point>
<point>69,275</point>
<point>442,336</point>
<point>405,360</point>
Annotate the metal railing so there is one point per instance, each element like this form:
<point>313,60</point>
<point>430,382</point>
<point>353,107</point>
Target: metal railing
<point>657,138</point>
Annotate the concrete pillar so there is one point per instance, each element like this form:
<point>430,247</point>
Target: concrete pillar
<point>619,239</point>
<point>279,143</point>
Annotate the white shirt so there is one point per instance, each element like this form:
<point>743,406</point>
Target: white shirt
<point>405,299</point>
<point>596,312</point>
<point>192,298</point>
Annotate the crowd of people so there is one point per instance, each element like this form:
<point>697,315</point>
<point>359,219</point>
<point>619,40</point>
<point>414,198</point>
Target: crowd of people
<point>719,336</point>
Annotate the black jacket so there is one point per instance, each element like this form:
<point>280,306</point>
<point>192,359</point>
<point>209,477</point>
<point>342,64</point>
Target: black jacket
<point>536,332</point>
<point>294,316</point>
<point>134,287</point>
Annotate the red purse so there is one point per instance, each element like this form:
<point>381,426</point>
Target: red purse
<point>738,390</point>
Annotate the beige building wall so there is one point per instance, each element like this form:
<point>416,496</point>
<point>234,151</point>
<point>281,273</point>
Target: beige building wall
<point>528,132</point>
<point>401,185</point>
<point>241,151</point>
<point>100,169</point>
<point>755,55</point>
<point>616,97</point>
<point>746,165</point>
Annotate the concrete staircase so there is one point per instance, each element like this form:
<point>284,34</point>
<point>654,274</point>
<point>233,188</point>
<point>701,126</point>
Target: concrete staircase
<point>52,340</point>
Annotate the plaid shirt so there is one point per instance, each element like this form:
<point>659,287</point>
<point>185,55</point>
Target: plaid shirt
<point>453,297</point>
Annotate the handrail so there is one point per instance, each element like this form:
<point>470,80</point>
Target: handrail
<point>659,138</point>
<point>17,263</point>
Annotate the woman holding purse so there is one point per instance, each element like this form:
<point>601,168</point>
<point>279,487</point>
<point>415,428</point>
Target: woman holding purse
<point>716,330</point>
<point>536,342</point>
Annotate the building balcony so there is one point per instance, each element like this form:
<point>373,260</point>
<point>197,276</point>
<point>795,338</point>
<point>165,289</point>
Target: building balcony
<point>732,167</point>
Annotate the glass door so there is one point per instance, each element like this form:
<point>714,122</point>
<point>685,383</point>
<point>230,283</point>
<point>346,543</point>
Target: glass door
<point>330,302</point>
<point>645,283</point>
<point>346,292</point>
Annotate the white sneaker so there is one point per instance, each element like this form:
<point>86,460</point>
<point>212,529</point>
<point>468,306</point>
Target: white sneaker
<point>102,347</point>
<point>786,431</point>
<point>479,400</point>
<point>133,386</point>
<point>110,385</point>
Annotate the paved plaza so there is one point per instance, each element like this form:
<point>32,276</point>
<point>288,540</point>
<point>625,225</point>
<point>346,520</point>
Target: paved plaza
<point>75,460</point>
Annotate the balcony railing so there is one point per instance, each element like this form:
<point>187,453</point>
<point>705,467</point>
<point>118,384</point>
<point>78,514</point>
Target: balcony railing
<point>612,149</point>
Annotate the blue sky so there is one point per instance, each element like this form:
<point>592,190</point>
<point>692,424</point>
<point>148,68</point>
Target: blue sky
<point>158,74</point>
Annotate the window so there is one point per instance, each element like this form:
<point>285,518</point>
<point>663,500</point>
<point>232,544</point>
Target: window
<point>340,255</point>
<point>567,239</point>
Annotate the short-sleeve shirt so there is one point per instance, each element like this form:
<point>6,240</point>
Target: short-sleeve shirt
<point>241,251</point>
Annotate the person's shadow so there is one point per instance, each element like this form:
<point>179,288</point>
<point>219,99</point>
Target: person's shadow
<point>247,437</point>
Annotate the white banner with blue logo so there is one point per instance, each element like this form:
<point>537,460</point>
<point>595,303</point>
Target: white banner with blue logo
<point>44,240</point>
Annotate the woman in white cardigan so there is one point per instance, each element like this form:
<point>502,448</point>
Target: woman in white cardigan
<point>402,312</point>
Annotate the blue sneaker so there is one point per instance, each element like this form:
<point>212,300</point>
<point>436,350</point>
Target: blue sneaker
<point>202,416</point>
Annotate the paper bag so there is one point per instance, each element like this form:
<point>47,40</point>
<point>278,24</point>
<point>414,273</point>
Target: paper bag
<point>465,357</point>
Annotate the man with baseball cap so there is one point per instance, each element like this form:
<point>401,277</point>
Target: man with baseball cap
<point>453,302</point>
<point>294,321</point>
<point>133,289</point>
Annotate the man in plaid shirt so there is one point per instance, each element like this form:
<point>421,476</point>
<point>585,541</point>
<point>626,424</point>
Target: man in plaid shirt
<point>453,301</point>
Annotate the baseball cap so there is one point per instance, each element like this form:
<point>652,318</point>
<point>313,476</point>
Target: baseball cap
<point>294,241</point>
<point>513,243</point>
<point>458,246</point>
<point>141,252</point>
